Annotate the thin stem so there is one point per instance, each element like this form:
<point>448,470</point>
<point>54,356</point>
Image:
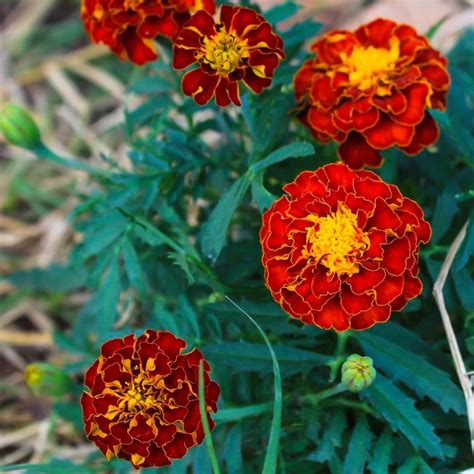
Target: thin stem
<point>329,392</point>
<point>338,358</point>
<point>42,151</point>
<point>205,422</point>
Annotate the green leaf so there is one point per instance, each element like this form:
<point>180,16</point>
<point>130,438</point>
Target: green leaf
<point>400,412</point>
<point>188,314</point>
<point>382,453</point>
<point>233,451</point>
<point>214,231</point>
<point>281,12</point>
<point>423,467</point>
<point>55,466</point>
<point>132,266</point>
<point>410,466</point>
<point>464,288</point>
<point>414,371</point>
<point>108,298</point>
<point>164,320</point>
<point>445,210</point>
<point>467,246</point>
<point>332,438</point>
<point>271,456</point>
<point>252,357</point>
<point>359,447</point>
<point>236,414</point>
<point>260,195</point>
<point>293,150</point>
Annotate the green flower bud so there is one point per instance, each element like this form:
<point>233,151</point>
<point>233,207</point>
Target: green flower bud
<point>46,380</point>
<point>358,373</point>
<point>18,128</point>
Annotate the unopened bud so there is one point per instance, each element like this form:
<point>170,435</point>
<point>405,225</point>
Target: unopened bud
<point>46,380</point>
<point>358,373</point>
<point>18,128</point>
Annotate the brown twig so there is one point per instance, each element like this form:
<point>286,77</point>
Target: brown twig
<point>463,376</point>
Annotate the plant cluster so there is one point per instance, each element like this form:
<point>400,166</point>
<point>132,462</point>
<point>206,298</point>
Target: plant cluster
<point>233,231</point>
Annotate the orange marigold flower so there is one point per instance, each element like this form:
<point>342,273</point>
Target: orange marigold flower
<point>128,27</point>
<point>341,249</point>
<point>143,402</point>
<point>240,47</point>
<point>370,90</point>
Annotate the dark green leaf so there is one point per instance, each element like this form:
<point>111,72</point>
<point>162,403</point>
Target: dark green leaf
<point>382,453</point>
<point>414,371</point>
<point>359,447</point>
<point>293,150</point>
<point>400,412</point>
<point>214,231</point>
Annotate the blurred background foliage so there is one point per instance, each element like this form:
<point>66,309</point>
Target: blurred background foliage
<point>171,226</point>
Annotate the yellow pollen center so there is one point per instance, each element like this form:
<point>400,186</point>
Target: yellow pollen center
<point>224,52</point>
<point>368,67</point>
<point>336,241</point>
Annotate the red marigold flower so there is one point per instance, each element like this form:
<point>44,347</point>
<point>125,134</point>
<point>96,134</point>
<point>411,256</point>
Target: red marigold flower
<point>370,90</point>
<point>128,27</point>
<point>341,249</point>
<point>143,402</point>
<point>240,47</point>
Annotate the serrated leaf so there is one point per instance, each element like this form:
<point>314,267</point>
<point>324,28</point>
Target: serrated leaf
<point>293,150</point>
<point>132,266</point>
<point>214,231</point>
<point>181,261</point>
<point>248,357</point>
<point>108,298</point>
<point>382,453</point>
<point>400,412</point>
<point>414,371</point>
<point>359,447</point>
<point>281,12</point>
<point>331,439</point>
<point>410,466</point>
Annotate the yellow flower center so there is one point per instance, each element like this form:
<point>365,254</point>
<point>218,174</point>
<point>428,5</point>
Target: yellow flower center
<point>224,52</point>
<point>368,67</point>
<point>336,241</point>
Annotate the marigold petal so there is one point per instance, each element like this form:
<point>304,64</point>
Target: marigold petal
<point>356,152</point>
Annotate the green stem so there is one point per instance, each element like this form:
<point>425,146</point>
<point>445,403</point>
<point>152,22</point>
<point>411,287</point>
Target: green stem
<point>42,151</point>
<point>338,358</point>
<point>329,392</point>
<point>205,422</point>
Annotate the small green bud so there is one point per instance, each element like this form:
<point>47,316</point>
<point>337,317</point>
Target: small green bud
<point>18,128</point>
<point>358,373</point>
<point>46,380</point>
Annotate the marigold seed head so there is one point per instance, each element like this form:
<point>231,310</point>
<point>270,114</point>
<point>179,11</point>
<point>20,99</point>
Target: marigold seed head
<point>46,380</point>
<point>18,128</point>
<point>358,373</point>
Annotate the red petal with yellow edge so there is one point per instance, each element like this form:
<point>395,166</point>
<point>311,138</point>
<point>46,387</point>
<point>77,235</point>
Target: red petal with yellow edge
<point>389,289</point>
<point>332,316</point>
<point>353,303</point>
<point>137,50</point>
<point>199,85</point>
<point>436,75</point>
<point>356,152</point>
<point>376,33</point>
<point>366,319</point>
<point>416,96</point>
<point>426,133</point>
<point>365,280</point>
<point>388,133</point>
<point>395,256</point>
